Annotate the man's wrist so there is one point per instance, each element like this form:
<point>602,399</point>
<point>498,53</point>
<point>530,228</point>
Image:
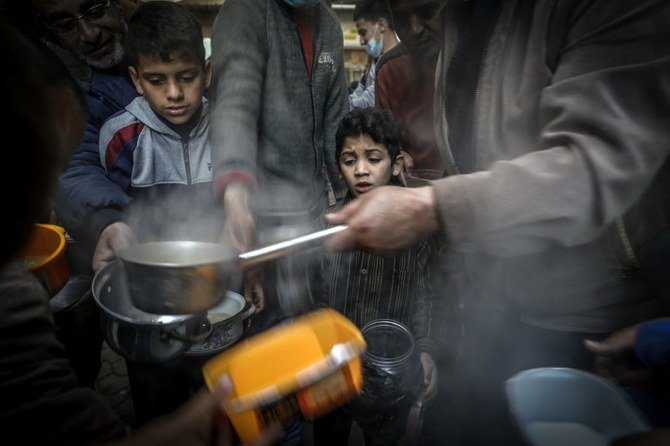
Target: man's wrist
<point>426,201</point>
<point>236,196</point>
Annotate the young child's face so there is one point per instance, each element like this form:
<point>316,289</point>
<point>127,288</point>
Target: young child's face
<point>365,164</point>
<point>174,89</point>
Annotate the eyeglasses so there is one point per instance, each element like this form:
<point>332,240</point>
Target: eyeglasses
<point>91,15</point>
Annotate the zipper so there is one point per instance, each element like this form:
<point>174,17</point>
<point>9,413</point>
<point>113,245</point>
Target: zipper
<point>625,241</point>
<point>187,160</point>
<point>310,76</point>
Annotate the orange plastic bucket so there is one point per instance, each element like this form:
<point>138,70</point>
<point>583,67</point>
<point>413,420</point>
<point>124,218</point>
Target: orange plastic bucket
<point>309,366</point>
<point>44,256</point>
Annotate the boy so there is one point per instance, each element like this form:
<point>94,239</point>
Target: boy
<point>364,286</point>
<point>157,150</point>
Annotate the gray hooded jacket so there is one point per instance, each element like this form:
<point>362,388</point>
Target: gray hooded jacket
<point>570,138</point>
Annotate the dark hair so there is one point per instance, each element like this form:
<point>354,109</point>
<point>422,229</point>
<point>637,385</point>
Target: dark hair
<point>162,29</point>
<point>380,125</point>
<point>373,10</point>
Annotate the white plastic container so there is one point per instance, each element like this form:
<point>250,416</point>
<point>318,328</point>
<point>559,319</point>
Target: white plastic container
<point>563,406</point>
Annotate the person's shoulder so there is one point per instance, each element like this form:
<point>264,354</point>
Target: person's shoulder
<point>240,6</point>
<point>122,127</point>
<point>392,55</point>
<point>110,84</point>
<point>329,14</point>
<point>16,280</point>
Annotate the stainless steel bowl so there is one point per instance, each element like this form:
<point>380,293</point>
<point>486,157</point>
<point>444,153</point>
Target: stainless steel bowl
<point>138,335</point>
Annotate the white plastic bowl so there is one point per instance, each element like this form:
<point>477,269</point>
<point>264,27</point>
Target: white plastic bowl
<point>563,406</point>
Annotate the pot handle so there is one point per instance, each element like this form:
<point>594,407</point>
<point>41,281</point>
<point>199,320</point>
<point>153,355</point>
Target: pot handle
<point>258,256</point>
<point>195,338</point>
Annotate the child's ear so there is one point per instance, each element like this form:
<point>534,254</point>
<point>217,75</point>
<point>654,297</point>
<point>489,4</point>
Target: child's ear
<point>398,164</point>
<point>136,80</point>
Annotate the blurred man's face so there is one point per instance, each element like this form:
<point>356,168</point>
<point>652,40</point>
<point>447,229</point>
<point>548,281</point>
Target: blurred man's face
<point>366,30</point>
<point>92,30</point>
<point>418,24</point>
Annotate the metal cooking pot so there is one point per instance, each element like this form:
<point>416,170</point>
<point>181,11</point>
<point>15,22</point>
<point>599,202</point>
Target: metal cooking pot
<point>227,321</point>
<point>186,277</point>
<point>135,334</point>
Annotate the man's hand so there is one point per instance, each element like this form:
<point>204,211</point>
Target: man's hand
<point>114,237</point>
<point>240,225</point>
<point>239,231</point>
<point>615,358</point>
<point>198,422</point>
<point>386,219</point>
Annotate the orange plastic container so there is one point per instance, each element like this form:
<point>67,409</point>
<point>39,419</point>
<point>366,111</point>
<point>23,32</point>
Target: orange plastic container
<point>309,366</point>
<point>44,256</point>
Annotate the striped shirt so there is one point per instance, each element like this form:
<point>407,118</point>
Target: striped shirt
<point>365,286</point>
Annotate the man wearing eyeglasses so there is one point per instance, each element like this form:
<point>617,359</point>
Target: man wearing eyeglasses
<point>88,36</point>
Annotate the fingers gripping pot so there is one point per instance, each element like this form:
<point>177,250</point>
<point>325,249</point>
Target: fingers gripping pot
<point>187,277</point>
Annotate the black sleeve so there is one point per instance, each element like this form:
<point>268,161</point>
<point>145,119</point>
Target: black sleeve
<point>40,401</point>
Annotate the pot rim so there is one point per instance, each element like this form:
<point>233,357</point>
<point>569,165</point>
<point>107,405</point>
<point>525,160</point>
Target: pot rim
<point>145,319</point>
<point>172,254</point>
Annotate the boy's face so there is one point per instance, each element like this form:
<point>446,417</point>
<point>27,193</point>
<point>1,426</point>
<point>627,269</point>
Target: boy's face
<point>364,164</point>
<point>174,89</point>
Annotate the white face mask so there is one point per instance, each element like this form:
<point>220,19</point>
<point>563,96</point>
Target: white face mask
<point>301,3</point>
<point>373,46</point>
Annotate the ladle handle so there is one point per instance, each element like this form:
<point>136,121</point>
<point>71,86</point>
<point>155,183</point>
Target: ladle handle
<point>260,255</point>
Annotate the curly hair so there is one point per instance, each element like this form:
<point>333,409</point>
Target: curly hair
<point>380,125</point>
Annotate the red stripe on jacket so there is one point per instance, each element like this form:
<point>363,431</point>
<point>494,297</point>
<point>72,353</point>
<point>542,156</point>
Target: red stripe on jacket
<point>119,141</point>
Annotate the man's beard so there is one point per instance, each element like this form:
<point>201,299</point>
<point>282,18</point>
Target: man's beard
<point>109,60</point>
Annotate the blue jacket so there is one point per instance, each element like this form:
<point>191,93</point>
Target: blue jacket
<point>652,343</point>
<point>87,200</point>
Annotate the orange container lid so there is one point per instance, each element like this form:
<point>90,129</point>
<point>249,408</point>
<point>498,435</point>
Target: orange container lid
<point>272,364</point>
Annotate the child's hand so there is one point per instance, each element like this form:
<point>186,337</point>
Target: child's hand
<point>114,237</point>
<point>429,389</point>
<point>407,163</point>
<point>253,292</point>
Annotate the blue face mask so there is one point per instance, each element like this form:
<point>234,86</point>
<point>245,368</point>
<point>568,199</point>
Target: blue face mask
<point>301,3</point>
<point>374,47</point>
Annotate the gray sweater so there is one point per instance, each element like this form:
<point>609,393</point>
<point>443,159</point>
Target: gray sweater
<point>270,121</point>
<point>571,140</point>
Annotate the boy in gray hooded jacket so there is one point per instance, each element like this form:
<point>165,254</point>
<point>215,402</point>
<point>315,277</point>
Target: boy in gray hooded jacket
<point>157,150</point>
